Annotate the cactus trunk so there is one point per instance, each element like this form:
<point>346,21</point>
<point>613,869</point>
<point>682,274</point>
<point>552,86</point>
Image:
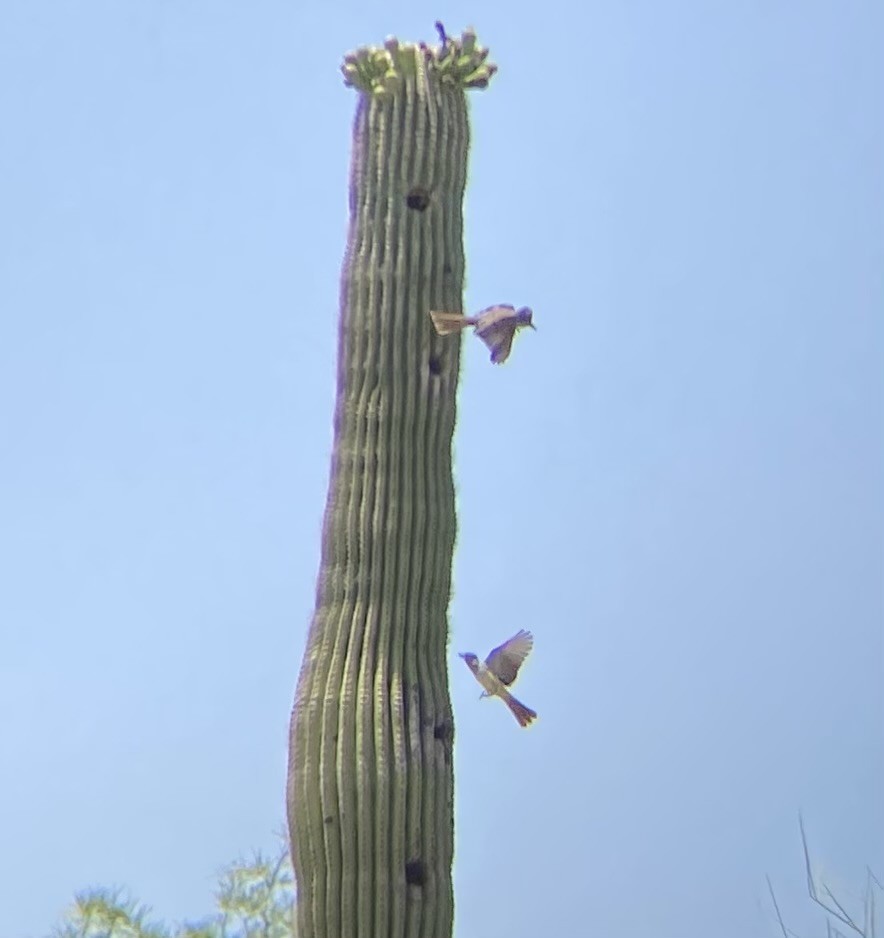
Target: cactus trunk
<point>370,784</point>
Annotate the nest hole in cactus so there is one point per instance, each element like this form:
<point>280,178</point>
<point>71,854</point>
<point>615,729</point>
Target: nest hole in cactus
<point>418,199</point>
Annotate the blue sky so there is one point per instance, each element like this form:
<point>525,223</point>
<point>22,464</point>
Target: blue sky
<point>675,483</point>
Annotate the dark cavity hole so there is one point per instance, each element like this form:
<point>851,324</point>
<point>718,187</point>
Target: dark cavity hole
<point>435,364</point>
<point>442,731</point>
<point>418,199</point>
<point>415,874</point>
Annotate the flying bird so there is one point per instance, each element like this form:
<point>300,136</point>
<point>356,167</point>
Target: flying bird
<point>500,669</point>
<point>495,326</point>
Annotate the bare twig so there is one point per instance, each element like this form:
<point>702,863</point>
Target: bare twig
<point>776,906</point>
<point>836,909</point>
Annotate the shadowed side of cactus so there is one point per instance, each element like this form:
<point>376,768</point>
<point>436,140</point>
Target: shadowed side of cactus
<point>370,784</point>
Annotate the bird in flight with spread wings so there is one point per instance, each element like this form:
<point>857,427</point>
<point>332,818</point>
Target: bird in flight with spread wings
<point>495,326</point>
<point>500,669</point>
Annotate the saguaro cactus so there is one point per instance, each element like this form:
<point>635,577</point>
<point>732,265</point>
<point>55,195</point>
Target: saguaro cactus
<point>370,784</point>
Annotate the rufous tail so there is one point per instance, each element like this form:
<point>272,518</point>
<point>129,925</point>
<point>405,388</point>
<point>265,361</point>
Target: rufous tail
<point>446,323</point>
<point>522,713</point>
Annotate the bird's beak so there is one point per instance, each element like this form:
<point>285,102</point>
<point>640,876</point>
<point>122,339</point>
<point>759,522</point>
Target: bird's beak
<point>460,654</point>
<point>531,324</point>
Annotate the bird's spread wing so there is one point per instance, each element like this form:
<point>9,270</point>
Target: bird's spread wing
<point>496,327</point>
<point>500,341</point>
<point>506,659</point>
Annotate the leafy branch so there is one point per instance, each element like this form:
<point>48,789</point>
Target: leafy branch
<point>254,899</point>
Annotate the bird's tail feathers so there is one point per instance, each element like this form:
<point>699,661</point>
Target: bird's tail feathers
<point>446,323</point>
<point>522,713</point>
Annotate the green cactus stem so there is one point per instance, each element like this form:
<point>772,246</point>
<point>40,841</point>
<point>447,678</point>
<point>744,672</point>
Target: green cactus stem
<point>370,784</point>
